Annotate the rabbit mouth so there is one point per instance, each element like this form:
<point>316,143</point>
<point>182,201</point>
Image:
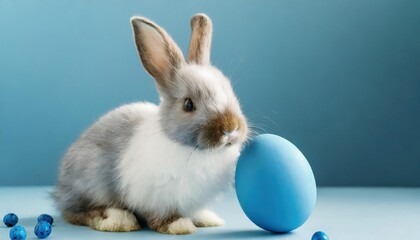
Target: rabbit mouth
<point>224,130</point>
<point>223,141</point>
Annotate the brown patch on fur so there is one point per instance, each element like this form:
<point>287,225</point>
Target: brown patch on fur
<point>93,218</point>
<point>201,31</point>
<point>83,218</point>
<point>161,224</point>
<point>75,219</point>
<point>213,131</point>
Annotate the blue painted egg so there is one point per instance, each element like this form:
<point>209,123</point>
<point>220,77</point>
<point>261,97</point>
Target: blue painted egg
<point>42,229</point>
<point>10,219</point>
<point>275,184</point>
<point>320,236</point>
<point>17,233</point>
<point>47,218</point>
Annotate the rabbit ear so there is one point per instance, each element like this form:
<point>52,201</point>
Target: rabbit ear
<point>201,31</point>
<point>160,55</point>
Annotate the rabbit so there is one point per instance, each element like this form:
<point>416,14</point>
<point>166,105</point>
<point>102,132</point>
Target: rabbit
<point>158,165</point>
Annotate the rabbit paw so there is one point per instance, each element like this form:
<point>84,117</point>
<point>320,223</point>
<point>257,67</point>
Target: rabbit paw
<point>180,226</point>
<point>207,218</point>
<point>113,220</point>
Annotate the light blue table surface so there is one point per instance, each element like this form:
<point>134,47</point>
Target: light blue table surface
<point>343,213</point>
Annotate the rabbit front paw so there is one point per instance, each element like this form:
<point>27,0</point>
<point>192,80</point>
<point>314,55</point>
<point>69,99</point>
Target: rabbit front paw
<point>112,220</point>
<point>174,225</point>
<point>207,218</point>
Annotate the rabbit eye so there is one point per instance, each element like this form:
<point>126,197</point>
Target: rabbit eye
<point>188,105</point>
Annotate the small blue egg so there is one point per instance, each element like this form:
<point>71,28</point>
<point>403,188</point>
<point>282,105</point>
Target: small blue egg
<point>47,218</point>
<point>17,233</point>
<point>10,219</point>
<point>42,229</point>
<point>320,236</point>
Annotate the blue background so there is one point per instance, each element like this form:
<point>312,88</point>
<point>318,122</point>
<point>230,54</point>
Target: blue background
<point>339,79</point>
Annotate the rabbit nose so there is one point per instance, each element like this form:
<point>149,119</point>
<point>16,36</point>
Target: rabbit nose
<point>231,135</point>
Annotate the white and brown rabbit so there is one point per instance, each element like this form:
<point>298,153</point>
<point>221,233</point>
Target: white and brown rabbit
<point>165,163</point>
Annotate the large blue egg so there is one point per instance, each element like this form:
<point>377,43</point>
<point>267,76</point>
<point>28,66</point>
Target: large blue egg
<point>275,184</point>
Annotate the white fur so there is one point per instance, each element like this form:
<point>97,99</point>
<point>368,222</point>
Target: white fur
<point>116,220</point>
<point>159,175</point>
<point>181,226</point>
<point>207,218</point>
<point>212,79</point>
